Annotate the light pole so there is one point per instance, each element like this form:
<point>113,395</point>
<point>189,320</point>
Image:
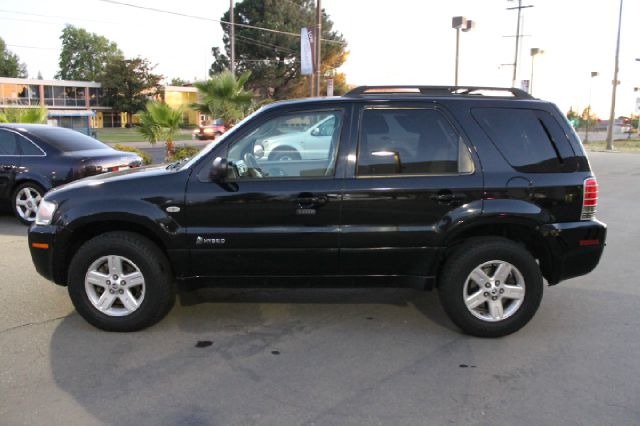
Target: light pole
<point>460,23</point>
<point>535,51</point>
<point>586,134</point>
<point>614,82</point>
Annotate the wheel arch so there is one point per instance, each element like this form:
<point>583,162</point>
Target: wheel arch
<point>87,231</point>
<point>281,148</point>
<point>521,232</point>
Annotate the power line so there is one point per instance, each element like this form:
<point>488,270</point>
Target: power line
<point>265,44</point>
<point>202,18</point>
<point>33,47</point>
<point>54,16</point>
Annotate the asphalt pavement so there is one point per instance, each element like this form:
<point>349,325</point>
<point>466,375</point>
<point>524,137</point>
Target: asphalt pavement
<point>332,357</point>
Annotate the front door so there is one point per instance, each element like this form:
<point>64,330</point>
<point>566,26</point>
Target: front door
<point>413,176</point>
<point>277,218</point>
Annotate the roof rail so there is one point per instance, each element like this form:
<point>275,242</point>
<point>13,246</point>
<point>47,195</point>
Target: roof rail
<point>438,91</point>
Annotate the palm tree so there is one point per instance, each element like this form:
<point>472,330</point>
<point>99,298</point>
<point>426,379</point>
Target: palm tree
<point>160,122</point>
<point>24,115</point>
<point>224,96</point>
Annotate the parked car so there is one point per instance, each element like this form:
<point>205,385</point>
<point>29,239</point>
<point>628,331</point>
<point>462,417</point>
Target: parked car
<point>312,143</point>
<point>480,193</point>
<point>35,158</point>
<point>210,131</point>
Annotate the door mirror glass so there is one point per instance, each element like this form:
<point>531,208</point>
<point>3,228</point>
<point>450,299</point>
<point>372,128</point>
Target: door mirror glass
<point>218,169</point>
<point>315,132</point>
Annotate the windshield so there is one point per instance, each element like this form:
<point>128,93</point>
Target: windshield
<point>67,140</point>
<point>215,142</point>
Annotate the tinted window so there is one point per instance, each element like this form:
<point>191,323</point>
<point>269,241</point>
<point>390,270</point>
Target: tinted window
<point>409,141</point>
<point>302,144</point>
<point>67,140</point>
<point>8,143</point>
<point>27,147</point>
<point>530,140</point>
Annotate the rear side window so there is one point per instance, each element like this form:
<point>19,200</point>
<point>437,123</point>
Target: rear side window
<point>409,142</point>
<point>530,140</point>
<point>28,148</point>
<point>8,143</point>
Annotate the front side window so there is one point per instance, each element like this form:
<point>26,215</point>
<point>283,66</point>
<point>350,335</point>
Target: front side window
<point>8,143</point>
<point>409,142</point>
<point>302,144</point>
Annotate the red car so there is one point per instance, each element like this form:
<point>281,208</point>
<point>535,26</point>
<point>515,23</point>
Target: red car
<point>211,131</point>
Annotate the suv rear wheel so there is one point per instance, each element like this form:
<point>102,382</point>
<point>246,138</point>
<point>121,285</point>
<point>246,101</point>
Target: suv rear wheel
<point>491,287</point>
<point>121,281</point>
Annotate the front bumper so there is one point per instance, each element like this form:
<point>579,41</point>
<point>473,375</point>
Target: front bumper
<point>45,253</point>
<point>575,248</point>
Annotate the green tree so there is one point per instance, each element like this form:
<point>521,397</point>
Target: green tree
<point>224,96</point>
<point>24,115</point>
<point>127,85</point>
<point>10,65</point>
<point>85,55</point>
<point>177,81</point>
<point>273,58</point>
<point>160,122</point>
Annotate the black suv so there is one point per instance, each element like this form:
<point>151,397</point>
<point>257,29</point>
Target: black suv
<point>479,192</point>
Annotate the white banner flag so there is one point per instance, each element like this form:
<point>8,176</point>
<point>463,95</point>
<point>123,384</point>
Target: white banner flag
<point>306,53</point>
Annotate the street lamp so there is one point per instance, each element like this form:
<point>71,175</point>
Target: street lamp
<point>586,135</point>
<point>535,51</point>
<point>460,23</point>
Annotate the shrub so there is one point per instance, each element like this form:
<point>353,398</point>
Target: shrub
<point>185,151</point>
<point>146,158</point>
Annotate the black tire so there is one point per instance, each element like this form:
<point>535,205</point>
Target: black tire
<point>458,267</point>
<point>286,154</point>
<point>159,294</point>
<point>27,218</point>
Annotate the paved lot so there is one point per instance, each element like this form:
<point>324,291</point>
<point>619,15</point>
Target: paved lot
<point>332,357</point>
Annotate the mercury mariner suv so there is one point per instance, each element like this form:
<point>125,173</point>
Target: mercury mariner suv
<point>481,193</point>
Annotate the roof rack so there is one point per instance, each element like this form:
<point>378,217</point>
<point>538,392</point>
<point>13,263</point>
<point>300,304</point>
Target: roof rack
<point>439,91</point>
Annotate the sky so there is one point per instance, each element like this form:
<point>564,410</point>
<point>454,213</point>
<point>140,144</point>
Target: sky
<point>390,42</point>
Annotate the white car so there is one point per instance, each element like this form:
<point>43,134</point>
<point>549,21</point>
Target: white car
<point>312,143</point>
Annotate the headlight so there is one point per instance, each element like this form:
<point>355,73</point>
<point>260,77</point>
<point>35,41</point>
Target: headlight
<point>208,130</point>
<point>46,209</point>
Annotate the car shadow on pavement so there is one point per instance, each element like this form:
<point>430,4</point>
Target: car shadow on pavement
<point>175,372</point>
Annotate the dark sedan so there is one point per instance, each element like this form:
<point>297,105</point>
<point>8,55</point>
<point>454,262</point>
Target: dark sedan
<point>35,158</point>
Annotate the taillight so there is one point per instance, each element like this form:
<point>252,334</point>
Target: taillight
<point>589,199</point>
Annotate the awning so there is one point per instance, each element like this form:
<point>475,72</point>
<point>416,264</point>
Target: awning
<point>71,113</point>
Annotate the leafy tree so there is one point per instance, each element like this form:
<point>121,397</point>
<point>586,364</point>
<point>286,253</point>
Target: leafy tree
<point>160,122</point>
<point>273,58</point>
<point>177,81</point>
<point>224,96</point>
<point>85,55</point>
<point>127,85</point>
<point>24,115</point>
<point>10,65</point>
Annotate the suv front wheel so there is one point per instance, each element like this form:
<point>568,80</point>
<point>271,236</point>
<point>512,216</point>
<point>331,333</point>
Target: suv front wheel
<point>121,281</point>
<point>490,287</point>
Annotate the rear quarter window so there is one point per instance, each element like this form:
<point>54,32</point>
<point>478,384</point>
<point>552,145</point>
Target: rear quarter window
<point>67,140</point>
<point>530,140</point>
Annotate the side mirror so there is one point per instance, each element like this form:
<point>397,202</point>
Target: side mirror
<point>315,132</point>
<point>218,169</point>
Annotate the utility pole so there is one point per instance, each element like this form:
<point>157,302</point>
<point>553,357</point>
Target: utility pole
<point>233,38</point>
<point>612,115</point>
<point>318,40</point>
<point>515,60</point>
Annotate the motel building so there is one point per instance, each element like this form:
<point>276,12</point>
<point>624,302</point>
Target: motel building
<point>80,105</point>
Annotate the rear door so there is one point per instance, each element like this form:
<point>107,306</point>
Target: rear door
<point>9,161</point>
<point>413,174</point>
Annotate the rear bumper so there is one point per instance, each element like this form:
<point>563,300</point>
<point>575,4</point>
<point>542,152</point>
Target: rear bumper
<point>575,248</point>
